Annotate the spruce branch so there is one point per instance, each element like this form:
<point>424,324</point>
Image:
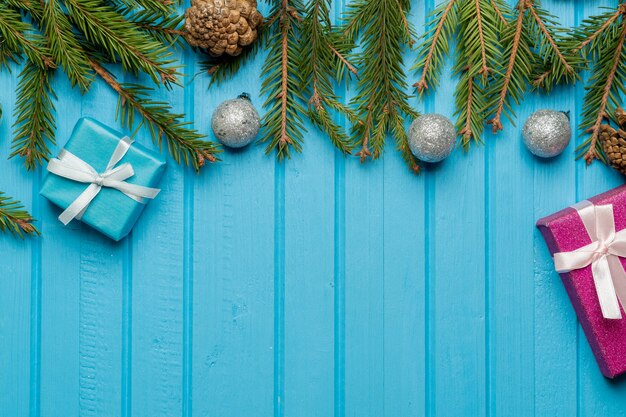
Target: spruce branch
<point>323,56</point>
<point>498,9</point>
<point>34,113</point>
<point>283,121</point>
<point>14,219</point>
<point>476,27</point>
<point>601,37</point>
<point>183,143</point>
<point>81,36</point>
<point>436,44</point>
<point>162,28</point>
<point>64,47</point>
<point>537,54</point>
<point>20,37</point>
<point>103,26</point>
<point>519,60</point>
<point>381,100</point>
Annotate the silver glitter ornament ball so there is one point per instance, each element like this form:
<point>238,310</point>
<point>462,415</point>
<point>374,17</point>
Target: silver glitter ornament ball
<point>547,133</point>
<point>236,122</point>
<point>432,137</point>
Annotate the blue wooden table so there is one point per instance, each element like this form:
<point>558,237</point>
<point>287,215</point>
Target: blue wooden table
<point>317,287</point>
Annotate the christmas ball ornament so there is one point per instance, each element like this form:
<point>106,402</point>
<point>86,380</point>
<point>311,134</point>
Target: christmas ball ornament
<point>222,26</point>
<point>432,137</point>
<point>236,122</point>
<point>547,133</point>
<point>614,142</point>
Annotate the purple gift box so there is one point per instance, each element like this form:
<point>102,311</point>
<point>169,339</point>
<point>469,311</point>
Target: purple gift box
<point>566,232</point>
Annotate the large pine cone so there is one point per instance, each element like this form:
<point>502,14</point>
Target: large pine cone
<point>222,26</point>
<point>614,142</point>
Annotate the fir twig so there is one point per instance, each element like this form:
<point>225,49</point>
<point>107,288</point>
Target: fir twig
<point>520,61</point>
<point>476,25</point>
<point>535,53</point>
<point>162,28</point>
<point>34,113</point>
<point>14,219</point>
<point>80,36</point>
<point>601,37</point>
<point>439,37</point>
<point>184,144</point>
<point>103,26</point>
<point>283,122</point>
<point>64,46</point>
<point>381,101</point>
<point>13,34</point>
<point>321,60</point>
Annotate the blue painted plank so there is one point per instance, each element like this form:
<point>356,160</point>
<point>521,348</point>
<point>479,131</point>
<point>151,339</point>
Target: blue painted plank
<point>456,280</point>
<point>15,272</point>
<point>404,271</point>
<point>554,341</point>
<point>158,260</point>
<point>102,266</point>
<point>309,296</point>
<point>364,288</point>
<point>555,322</point>
<point>60,287</point>
<point>597,395</point>
<point>233,268</point>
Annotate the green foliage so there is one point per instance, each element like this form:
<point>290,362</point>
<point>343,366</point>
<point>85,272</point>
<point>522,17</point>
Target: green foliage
<point>381,101</point>
<point>557,64</point>
<point>14,219</point>
<point>162,28</point>
<point>34,113</point>
<point>601,40</point>
<point>111,32</point>
<point>476,27</point>
<point>536,53</point>
<point>158,116</point>
<point>306,58</point>
<point>323,52</point>
<point>283,123</point>
<point>517,63</point>
<point>81,37</point>
<point>435,44</point>
<point>497,59</point>
<point>63,43</point>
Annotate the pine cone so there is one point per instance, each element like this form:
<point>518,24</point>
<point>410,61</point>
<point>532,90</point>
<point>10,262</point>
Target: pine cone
<point>222,26</point>
<point>614,142</point>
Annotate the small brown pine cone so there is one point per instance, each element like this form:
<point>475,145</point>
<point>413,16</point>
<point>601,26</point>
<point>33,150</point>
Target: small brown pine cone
<point>222,26</point>
<point>614,146</point>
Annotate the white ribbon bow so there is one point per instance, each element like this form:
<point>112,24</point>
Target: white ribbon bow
<point>603,253</point>
<point>68,165</point>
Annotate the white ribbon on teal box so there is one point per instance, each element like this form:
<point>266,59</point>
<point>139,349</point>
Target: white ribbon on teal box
<point>103,179</point>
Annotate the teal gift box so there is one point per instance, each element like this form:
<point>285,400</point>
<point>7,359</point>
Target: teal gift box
<point>111,212</point>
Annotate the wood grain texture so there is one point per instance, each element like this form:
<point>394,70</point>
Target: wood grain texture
<point>315,287</point>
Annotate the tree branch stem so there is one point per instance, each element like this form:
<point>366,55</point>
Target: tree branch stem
<point>496,122</point>
<point>422,85</point>
<point>591,154</point>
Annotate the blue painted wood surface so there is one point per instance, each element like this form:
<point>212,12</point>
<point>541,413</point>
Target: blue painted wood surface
<point>317,287</point>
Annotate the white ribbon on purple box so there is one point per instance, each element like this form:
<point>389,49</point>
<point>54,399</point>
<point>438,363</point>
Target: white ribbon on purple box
<point>68,165</point>
<point>603,254</point>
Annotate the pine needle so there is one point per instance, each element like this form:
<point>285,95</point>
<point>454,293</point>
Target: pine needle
<point>381,101</point>
<point>183,143</point>
<point>601,39</point>
<point>82,37</point>
<point>283,123</point>
<point>14,219</point>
